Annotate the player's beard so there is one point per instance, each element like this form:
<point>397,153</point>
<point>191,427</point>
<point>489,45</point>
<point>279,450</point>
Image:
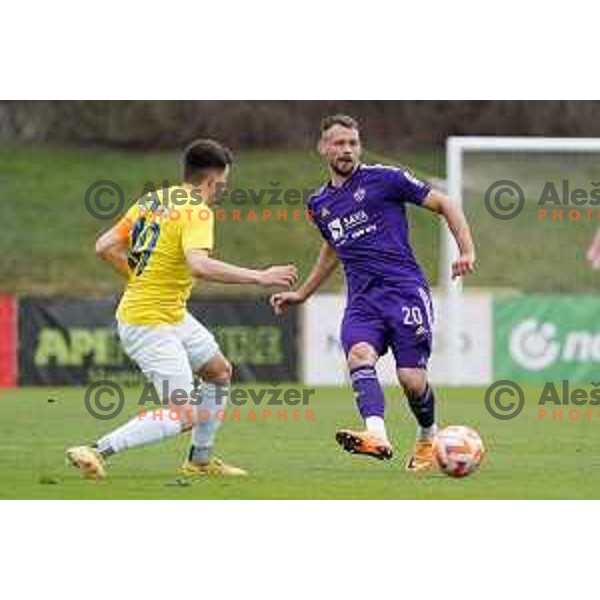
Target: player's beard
<point>343,168</point>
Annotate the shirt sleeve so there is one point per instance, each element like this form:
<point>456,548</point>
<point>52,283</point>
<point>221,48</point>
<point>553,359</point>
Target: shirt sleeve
<point>123,227</point>
<point>405,186</point>
<point>316,219</point>
<point>198,232</point>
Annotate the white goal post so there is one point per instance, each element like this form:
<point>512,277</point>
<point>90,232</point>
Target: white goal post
<point>456,147</point>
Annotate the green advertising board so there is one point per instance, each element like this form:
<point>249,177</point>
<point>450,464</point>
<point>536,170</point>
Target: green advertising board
<point>543,338</point>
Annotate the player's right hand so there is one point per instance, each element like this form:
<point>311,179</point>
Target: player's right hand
<point>283,300</point>
<point>285,276</point>
<point>463,265</point>
<point>593,252</point>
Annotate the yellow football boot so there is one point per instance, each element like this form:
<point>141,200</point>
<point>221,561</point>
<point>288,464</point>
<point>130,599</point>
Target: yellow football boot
<point>88,460</point>
<point>214,466</point>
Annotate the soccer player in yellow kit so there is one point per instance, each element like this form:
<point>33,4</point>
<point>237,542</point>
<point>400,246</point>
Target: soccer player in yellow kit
<point>160,245</point>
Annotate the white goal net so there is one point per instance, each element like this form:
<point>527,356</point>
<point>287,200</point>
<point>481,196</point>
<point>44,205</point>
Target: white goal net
<point>534,206</point>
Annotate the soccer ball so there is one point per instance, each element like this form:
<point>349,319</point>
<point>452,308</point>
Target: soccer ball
<point>459,450</point>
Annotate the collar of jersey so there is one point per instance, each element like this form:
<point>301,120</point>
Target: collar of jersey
<point>347,182</point>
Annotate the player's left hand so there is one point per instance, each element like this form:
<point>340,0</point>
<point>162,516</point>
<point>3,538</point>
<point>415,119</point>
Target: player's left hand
<point>463,265</point>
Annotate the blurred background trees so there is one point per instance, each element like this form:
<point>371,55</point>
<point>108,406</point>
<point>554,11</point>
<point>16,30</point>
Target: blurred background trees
<point>267,124</point>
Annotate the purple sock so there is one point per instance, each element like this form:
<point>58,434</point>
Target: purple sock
<point>369,395</point>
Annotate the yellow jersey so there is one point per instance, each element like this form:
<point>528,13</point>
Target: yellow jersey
<point>160,228</point>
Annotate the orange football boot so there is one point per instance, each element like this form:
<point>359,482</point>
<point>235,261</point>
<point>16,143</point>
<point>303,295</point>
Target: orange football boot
<point>363,442</point>
<point>423,457</point>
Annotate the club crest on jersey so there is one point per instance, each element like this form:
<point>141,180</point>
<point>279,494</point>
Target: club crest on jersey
<point>325,212</point>
<point>360,194</point>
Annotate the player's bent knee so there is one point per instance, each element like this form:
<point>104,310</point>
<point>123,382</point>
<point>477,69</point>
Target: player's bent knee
<point>217,370</point>
<point>413,381</point>
<point>361,354</point>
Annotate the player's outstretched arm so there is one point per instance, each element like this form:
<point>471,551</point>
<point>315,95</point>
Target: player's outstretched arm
<point>324,267</point>
<point>112,247</point>
<point>457,222</point>
<point>204,267</point>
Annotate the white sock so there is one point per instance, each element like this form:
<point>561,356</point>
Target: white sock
<point>139,431</point>
<point>214,399</point>
<point>376,426</point>
<point>426,433</point>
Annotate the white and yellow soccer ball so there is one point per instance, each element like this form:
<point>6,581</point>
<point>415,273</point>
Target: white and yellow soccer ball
<point>459,450</point>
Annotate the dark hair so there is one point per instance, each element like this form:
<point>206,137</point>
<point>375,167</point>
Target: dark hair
<point>343,120</point>
<point>204,155</point>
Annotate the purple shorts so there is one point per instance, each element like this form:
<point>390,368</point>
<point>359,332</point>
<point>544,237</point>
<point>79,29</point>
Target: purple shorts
<point>389,317</point>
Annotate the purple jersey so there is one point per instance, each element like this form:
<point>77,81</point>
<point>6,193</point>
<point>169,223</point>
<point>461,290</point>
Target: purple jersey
<point>365,221</point>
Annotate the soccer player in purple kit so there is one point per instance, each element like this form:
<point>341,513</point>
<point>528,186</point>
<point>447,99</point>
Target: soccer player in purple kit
<point>361,214</point>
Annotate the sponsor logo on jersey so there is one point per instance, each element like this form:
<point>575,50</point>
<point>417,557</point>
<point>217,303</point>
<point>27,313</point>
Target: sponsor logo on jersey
<point>336,229</point>
<point>355,219</point>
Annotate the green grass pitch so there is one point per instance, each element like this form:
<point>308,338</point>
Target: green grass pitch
<point>525,458</point>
